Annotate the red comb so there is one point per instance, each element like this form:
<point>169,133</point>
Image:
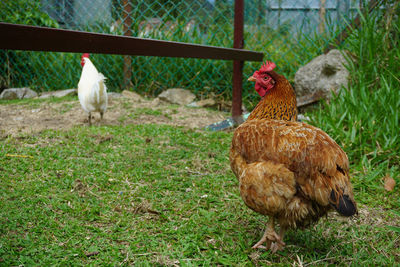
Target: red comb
<point>85,55</point>
<point>267,66</point>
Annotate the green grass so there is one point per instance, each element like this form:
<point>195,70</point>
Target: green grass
<point>35,102</point>
<point>154,194</point>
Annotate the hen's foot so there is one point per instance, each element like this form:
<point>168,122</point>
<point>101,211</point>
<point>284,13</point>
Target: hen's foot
<point>90,119</point>
<point>273,241</point>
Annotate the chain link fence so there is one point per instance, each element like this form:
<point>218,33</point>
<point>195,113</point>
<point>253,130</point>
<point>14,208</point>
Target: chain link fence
<point>290,33</point>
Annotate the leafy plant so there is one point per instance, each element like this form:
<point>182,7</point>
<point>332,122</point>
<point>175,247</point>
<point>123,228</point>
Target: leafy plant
<point>17,65</point>
<point>25,12</point>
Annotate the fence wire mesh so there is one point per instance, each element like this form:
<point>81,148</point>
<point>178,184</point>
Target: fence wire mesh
<point>290,33</point>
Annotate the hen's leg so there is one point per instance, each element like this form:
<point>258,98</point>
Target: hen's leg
<point>270,237</point>
<point>90,119</point>
<point>279,245</point>
<point>101,115</point>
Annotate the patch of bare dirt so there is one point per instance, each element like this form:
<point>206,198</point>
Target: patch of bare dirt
<point>30,118</point>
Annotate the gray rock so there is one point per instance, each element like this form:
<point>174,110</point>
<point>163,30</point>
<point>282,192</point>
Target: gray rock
<point>18,93</point>
<point>209,102</point>
<point>60,93</point>
<point>177,96</point>
<point>301,117</point>
<point>8,94</point>
<point>322,75</point>
<point>133,95</point>
<point>155,102</point>
<point>29,93</point>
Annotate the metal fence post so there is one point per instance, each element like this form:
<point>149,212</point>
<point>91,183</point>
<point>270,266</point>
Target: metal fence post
<point>127,22</point>
<point>238,42</point>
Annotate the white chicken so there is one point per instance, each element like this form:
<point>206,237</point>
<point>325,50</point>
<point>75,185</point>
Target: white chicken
<point>92,91</point>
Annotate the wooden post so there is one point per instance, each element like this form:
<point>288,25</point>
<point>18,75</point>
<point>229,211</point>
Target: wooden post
<point>279,12</point>
<point>238,42</point>
<point>342,11</point>
<point>322,12</point>
<point>127,22</point>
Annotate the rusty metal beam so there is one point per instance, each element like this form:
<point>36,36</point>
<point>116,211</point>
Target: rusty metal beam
<point>238,42</point>
<point>24,37</point>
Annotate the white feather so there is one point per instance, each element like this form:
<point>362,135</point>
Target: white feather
<point>92,91</point>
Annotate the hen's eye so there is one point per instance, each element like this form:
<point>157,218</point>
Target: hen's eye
<point>266,78</point>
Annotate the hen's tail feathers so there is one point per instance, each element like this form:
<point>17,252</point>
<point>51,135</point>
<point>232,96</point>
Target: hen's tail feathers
<point>343,204</point>
<point>101,77</point>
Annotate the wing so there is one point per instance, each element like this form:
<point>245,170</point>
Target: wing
<point>299,146</point>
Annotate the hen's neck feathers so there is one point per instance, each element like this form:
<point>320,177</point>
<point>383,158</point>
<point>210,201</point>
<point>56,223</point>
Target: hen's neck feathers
<point>89,69</point>
<point>279,103</point>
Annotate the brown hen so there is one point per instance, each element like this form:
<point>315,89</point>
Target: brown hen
<point>290,171</point>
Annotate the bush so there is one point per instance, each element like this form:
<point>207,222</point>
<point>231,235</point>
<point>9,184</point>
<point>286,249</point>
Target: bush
<point>17,65</point>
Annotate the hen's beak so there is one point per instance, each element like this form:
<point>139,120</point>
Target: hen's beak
<point>251,79</point>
